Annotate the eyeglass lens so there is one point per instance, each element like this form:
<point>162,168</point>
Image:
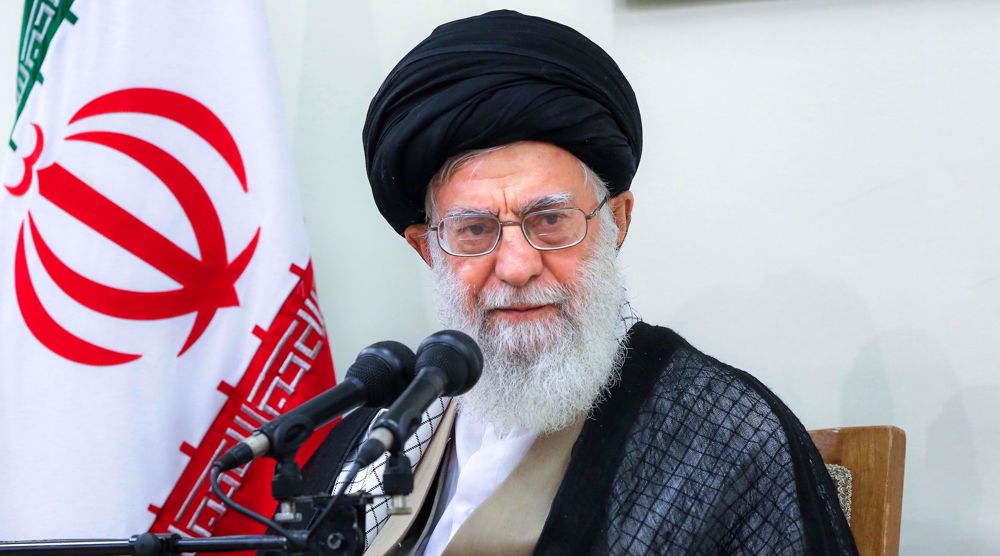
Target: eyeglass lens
<point>552,229</point>
<point>469,235</point>
<point>546,229</point>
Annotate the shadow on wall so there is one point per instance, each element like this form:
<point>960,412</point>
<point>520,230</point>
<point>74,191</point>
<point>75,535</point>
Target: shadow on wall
<point>905,377</point>
<point>369,280</point>
<point>952,478</point>
<point>979,404</point>
<point>813,340</point>
<point>796,331</point>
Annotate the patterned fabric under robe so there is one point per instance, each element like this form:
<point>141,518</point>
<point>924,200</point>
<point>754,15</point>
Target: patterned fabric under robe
<point>685,455</point>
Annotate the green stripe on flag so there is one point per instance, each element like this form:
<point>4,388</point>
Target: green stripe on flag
<point>38,25</point>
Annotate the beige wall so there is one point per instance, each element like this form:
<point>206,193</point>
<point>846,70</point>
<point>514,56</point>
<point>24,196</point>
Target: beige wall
<point>817,204</point>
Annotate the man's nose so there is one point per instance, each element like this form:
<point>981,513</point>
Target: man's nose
<point>517,262</point>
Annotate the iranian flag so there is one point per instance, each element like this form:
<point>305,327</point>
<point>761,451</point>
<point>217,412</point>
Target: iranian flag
<point>156,292</point>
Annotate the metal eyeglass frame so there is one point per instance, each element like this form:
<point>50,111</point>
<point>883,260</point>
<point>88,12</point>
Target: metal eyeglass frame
<point>520,224</point>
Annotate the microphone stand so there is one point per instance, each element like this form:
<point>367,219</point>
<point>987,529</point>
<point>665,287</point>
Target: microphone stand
<point>146,544</point>
<point>317,525</point>
<point>337,534</point>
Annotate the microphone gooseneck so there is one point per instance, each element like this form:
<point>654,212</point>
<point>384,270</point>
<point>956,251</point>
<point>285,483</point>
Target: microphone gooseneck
<point>448,363</point>
<point>377,377</point>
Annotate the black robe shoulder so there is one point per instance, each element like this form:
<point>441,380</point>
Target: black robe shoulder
<point>685,455</point>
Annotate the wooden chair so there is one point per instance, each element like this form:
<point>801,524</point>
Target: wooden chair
<point>874,455</point>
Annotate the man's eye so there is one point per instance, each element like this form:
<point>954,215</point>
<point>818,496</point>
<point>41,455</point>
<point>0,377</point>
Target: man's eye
<point>549,220</point>
<point>473,228</point>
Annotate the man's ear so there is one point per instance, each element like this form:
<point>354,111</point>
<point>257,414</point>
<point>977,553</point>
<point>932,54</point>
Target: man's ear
<point>621,206</point>
<point>416,236</point>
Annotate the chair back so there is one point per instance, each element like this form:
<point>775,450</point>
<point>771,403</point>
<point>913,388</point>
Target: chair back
<point>874,455</point>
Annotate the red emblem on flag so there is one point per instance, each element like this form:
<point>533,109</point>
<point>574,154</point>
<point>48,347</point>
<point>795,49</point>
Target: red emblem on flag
<point>291,365</point>
<point>207,281</point>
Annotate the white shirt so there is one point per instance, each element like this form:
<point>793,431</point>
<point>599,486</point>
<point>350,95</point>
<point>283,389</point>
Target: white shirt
<point>480,461</point>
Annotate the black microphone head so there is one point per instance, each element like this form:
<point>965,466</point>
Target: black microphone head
<point>456,354</point>
<point>385,369</point>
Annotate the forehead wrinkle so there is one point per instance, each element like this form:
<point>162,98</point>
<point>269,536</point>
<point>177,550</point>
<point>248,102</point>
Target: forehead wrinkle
<point>471,167</point>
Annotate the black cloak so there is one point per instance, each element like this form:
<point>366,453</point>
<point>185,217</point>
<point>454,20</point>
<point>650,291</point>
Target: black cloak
<point>686,455</point>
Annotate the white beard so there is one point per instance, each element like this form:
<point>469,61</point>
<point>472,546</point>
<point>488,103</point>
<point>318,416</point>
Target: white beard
<point>541,375</point>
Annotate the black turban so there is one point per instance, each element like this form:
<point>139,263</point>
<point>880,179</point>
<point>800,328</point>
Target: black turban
<point>490,80</point>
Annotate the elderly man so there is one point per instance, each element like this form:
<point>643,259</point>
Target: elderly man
<point>502,148</point>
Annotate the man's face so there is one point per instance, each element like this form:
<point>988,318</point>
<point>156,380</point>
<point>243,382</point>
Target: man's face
<point>547,321</point>
<point>508,182</point>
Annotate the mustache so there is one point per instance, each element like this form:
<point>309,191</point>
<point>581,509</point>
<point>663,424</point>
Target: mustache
<point>505,295</point>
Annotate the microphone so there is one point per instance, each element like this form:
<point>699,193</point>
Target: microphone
<point>449,363</point>
<point>381,371</point>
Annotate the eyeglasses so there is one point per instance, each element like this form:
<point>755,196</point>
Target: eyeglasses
<point>472,235</point>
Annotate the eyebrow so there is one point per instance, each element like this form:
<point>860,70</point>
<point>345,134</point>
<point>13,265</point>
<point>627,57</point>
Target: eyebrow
<point>465,211</point>
<point>540,203</point>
